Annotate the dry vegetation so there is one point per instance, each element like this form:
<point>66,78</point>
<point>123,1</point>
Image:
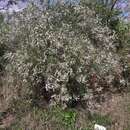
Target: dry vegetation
<point>60,59</point>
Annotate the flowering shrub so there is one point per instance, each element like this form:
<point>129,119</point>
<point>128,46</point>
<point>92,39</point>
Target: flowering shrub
<point>62,55</point>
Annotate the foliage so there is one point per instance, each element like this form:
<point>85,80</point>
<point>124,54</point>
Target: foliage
<point>55,116</point>
<point>66,56</point>
<point>4,29</point>
<point>68,118</point>
<point>111,17</point>
<point>58,55</point>
<point>123,30</point>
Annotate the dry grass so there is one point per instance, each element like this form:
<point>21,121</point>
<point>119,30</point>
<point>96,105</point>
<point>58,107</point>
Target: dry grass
<point>117,107</point>
<point>114,113</point>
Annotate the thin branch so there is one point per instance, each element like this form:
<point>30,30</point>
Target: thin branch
<point>113,5</point>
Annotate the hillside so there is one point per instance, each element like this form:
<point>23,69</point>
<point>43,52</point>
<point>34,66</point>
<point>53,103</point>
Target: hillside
<point>58,64</point>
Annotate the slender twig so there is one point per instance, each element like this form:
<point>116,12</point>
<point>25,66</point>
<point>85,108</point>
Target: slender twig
<point>113,4</point>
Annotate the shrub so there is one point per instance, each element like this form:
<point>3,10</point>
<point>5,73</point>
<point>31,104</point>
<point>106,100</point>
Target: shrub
<point>112,17</point>
<point>4,31</point>
<point>59,55</point>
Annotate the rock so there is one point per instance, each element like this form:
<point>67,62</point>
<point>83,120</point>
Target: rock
<point>99,127</point>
